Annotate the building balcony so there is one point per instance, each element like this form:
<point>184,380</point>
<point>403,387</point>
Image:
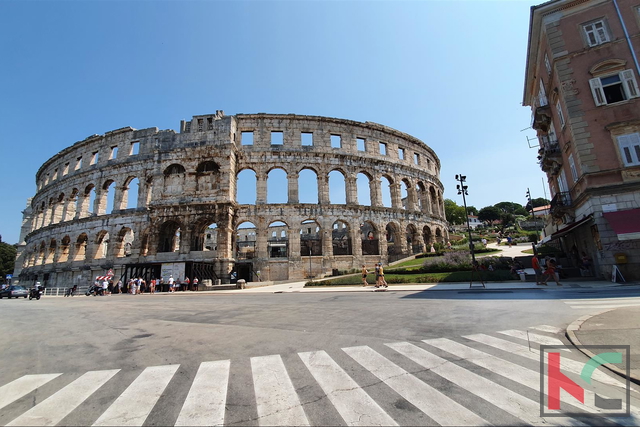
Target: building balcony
<point>560,204</point>
<point>549,155</point>
<point>541,118</point>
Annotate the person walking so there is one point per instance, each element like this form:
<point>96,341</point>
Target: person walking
<point>195,283</point>
<point>170,283</point>
<point>551,271</point>
<point>535,264</point>
<point>364,275</point>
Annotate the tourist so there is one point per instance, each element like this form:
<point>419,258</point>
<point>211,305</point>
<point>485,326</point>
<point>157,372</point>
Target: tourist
<point>186,284</point>
<point>195,283</point>
<point>550,271</point>
<point>535,264</point>
<point>381,275</point>
<point>364,275</point>
<point>171,283</point>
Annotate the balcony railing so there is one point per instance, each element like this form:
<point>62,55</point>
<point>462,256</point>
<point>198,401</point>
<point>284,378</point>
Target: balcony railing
<point>560,204</point>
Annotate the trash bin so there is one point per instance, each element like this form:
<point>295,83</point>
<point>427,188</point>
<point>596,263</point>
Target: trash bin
<point>241,284</point>
<point>522,275</point>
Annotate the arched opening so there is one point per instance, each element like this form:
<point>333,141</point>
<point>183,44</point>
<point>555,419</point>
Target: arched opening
<point>308,186</point>
<point>169,237</point>
<point>434,201</point>
<point>413,242</point>
<point>80,251</point>
<point>310,238</point>
<point>90,197</point>
<point>421,192</point>
<point>58,209</point>
<point>124,242</point>
<point>102,245</point>
<point>278,240</point>
<point>394,243</point>
<point>341,238</point>
<point>205,237</point>
<point>277,186</point>
<point>337,188</point>
<point>370,239</point>
<point>427,236</point>
<point>130,193</point>
<point>72,206</point>
<point>246,187</point>
<point>174,176</point>
<point>363,183</point>
<point>51,252</point>
<point>64,249</point>
<point>246,241</point>
<point>207,176</point>
<point>385,189</point>
<point>439,237</point>
<point>41,257</point>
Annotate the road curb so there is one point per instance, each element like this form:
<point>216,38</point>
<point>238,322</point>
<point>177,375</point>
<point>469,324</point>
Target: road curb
<point>572,337</point>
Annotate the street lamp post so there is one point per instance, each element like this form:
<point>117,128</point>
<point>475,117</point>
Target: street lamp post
<point>462,189</point>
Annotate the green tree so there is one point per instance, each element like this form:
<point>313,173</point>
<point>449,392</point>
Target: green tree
<point>7,259</point>
<point>488,214</point>
<point>540,201</point>
<point>454,213</point>
<point>472,210</point>
<point>511,208</point>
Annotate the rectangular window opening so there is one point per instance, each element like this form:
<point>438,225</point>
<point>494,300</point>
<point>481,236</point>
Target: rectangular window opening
<point>630,148</point>
<point>210,123</point>
<point>277,138</point>
<point>78,163</point>
<point>135,148</point>
<point>306,139</point>
<point>114,153</point>
<point>94,158</point>
<point>336,141</point>
<point>401,153</point>
<point>200,125</point>
<point>246,138</point>
<point>416,158</point>
<point>383,148</point>
<point>596,33</point>
<point>66,169</point>
<point>361,144</point>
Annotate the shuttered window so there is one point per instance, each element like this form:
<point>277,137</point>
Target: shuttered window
<point>630,148</point>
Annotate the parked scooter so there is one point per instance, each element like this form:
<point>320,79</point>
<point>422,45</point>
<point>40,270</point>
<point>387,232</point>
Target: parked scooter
<point>94,290</point>
<point>35,293</point>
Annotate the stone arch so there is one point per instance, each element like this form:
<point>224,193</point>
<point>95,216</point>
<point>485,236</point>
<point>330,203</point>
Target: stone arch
<point>413,239</point>
<point>386,183</point>
<point>88,201</point>
<point>124,242</point>
<point>107,198</point>
<point>41,254</point>
<point>130,193</point>
<point>278,239</point>
<point>308,180</point>
<point>310,238</point>
<point>427,236</point>
<point>174,179</point>
<point>439,235</point>
<point>204,235</point>
<point>337,187</point>
<point>277,185</point>
<point>102,244</point>
<point>363,184</point>
<point>58,209</point>
<point>370,238</point>
<point>170,236</point>
<point>422,197</point>
<point>64,249</point>
<point>80,251</point>
<point>51,251</point>
<point>341,238</point>
<point>207,176</point>
<point>245,240</point>
<point>246,187</point>
<point>394,240</point>
<point>74,205</point>
<point>434,201</point>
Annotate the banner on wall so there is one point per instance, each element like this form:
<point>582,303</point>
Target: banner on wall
<point>175,269</point>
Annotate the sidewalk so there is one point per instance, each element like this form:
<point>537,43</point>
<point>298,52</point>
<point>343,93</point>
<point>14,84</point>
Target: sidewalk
<point>618,326</point>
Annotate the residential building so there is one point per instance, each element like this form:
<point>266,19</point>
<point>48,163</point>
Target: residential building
<point>581,82</point>
<point>474,222</point>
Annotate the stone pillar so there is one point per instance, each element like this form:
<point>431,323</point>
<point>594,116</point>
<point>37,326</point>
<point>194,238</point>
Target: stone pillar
<point>294,243</point>
<point>261,188</point>
<point>352,190</point>
<point>292,180</point>
<point>120,198</point>
<point>262,251</point>
<point>100,203</point>
<point>396,199</point>
<point>356,241</point>
<point>420,241</point>
<point>327,243</point>
<point>323,189</point>
<point>375,191</point>
<point>412,198</point>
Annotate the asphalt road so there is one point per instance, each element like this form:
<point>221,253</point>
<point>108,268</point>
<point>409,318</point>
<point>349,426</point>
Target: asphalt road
<point>349,335</point>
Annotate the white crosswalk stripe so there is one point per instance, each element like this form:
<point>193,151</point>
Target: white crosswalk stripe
<point>13,391</point>
<point>53,409</point>
<point>436,405</point>
<point>602,303</point>
<point>134,405</point>
<point>355,406</point>
<point>277,396</point>
<point>204,405</point>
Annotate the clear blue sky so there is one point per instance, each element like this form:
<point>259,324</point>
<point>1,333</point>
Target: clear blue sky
<point>447,72</point>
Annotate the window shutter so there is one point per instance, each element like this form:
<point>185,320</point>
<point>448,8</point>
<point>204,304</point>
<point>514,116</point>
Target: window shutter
<point>596,90</point>
<point>602,33</point>
<point>591,36</point>
<point>630,85</point>
<point>630,148</point>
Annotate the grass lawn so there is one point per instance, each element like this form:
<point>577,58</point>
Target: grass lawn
<point>454,276</point>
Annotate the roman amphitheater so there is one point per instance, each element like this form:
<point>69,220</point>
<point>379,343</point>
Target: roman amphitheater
<point>266,196</point>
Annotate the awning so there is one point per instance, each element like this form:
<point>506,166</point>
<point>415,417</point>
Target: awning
<point>567,229</point>
<point>626,224</point>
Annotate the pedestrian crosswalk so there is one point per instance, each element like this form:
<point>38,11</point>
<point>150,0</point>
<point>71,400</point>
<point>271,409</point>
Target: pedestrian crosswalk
<point>602,303</point>
<point>477,379</point>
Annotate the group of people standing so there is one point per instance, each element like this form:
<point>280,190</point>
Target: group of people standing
<point>379,270</point>
<point>136,286</point>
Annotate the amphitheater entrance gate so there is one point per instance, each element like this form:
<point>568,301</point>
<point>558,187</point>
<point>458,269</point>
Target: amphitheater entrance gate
<point>245,271</point>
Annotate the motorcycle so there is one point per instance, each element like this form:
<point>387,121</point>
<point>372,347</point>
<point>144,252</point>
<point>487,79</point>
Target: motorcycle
<point>35,293</point>
<point>94,290</point>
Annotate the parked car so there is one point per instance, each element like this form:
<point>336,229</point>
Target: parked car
<point>14,291</point>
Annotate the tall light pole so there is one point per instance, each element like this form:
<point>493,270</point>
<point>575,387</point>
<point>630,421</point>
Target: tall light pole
<point>530,203</point>
<point>462,189</point>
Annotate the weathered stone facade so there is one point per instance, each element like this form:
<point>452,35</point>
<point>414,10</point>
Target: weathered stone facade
<point>187,199</point>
